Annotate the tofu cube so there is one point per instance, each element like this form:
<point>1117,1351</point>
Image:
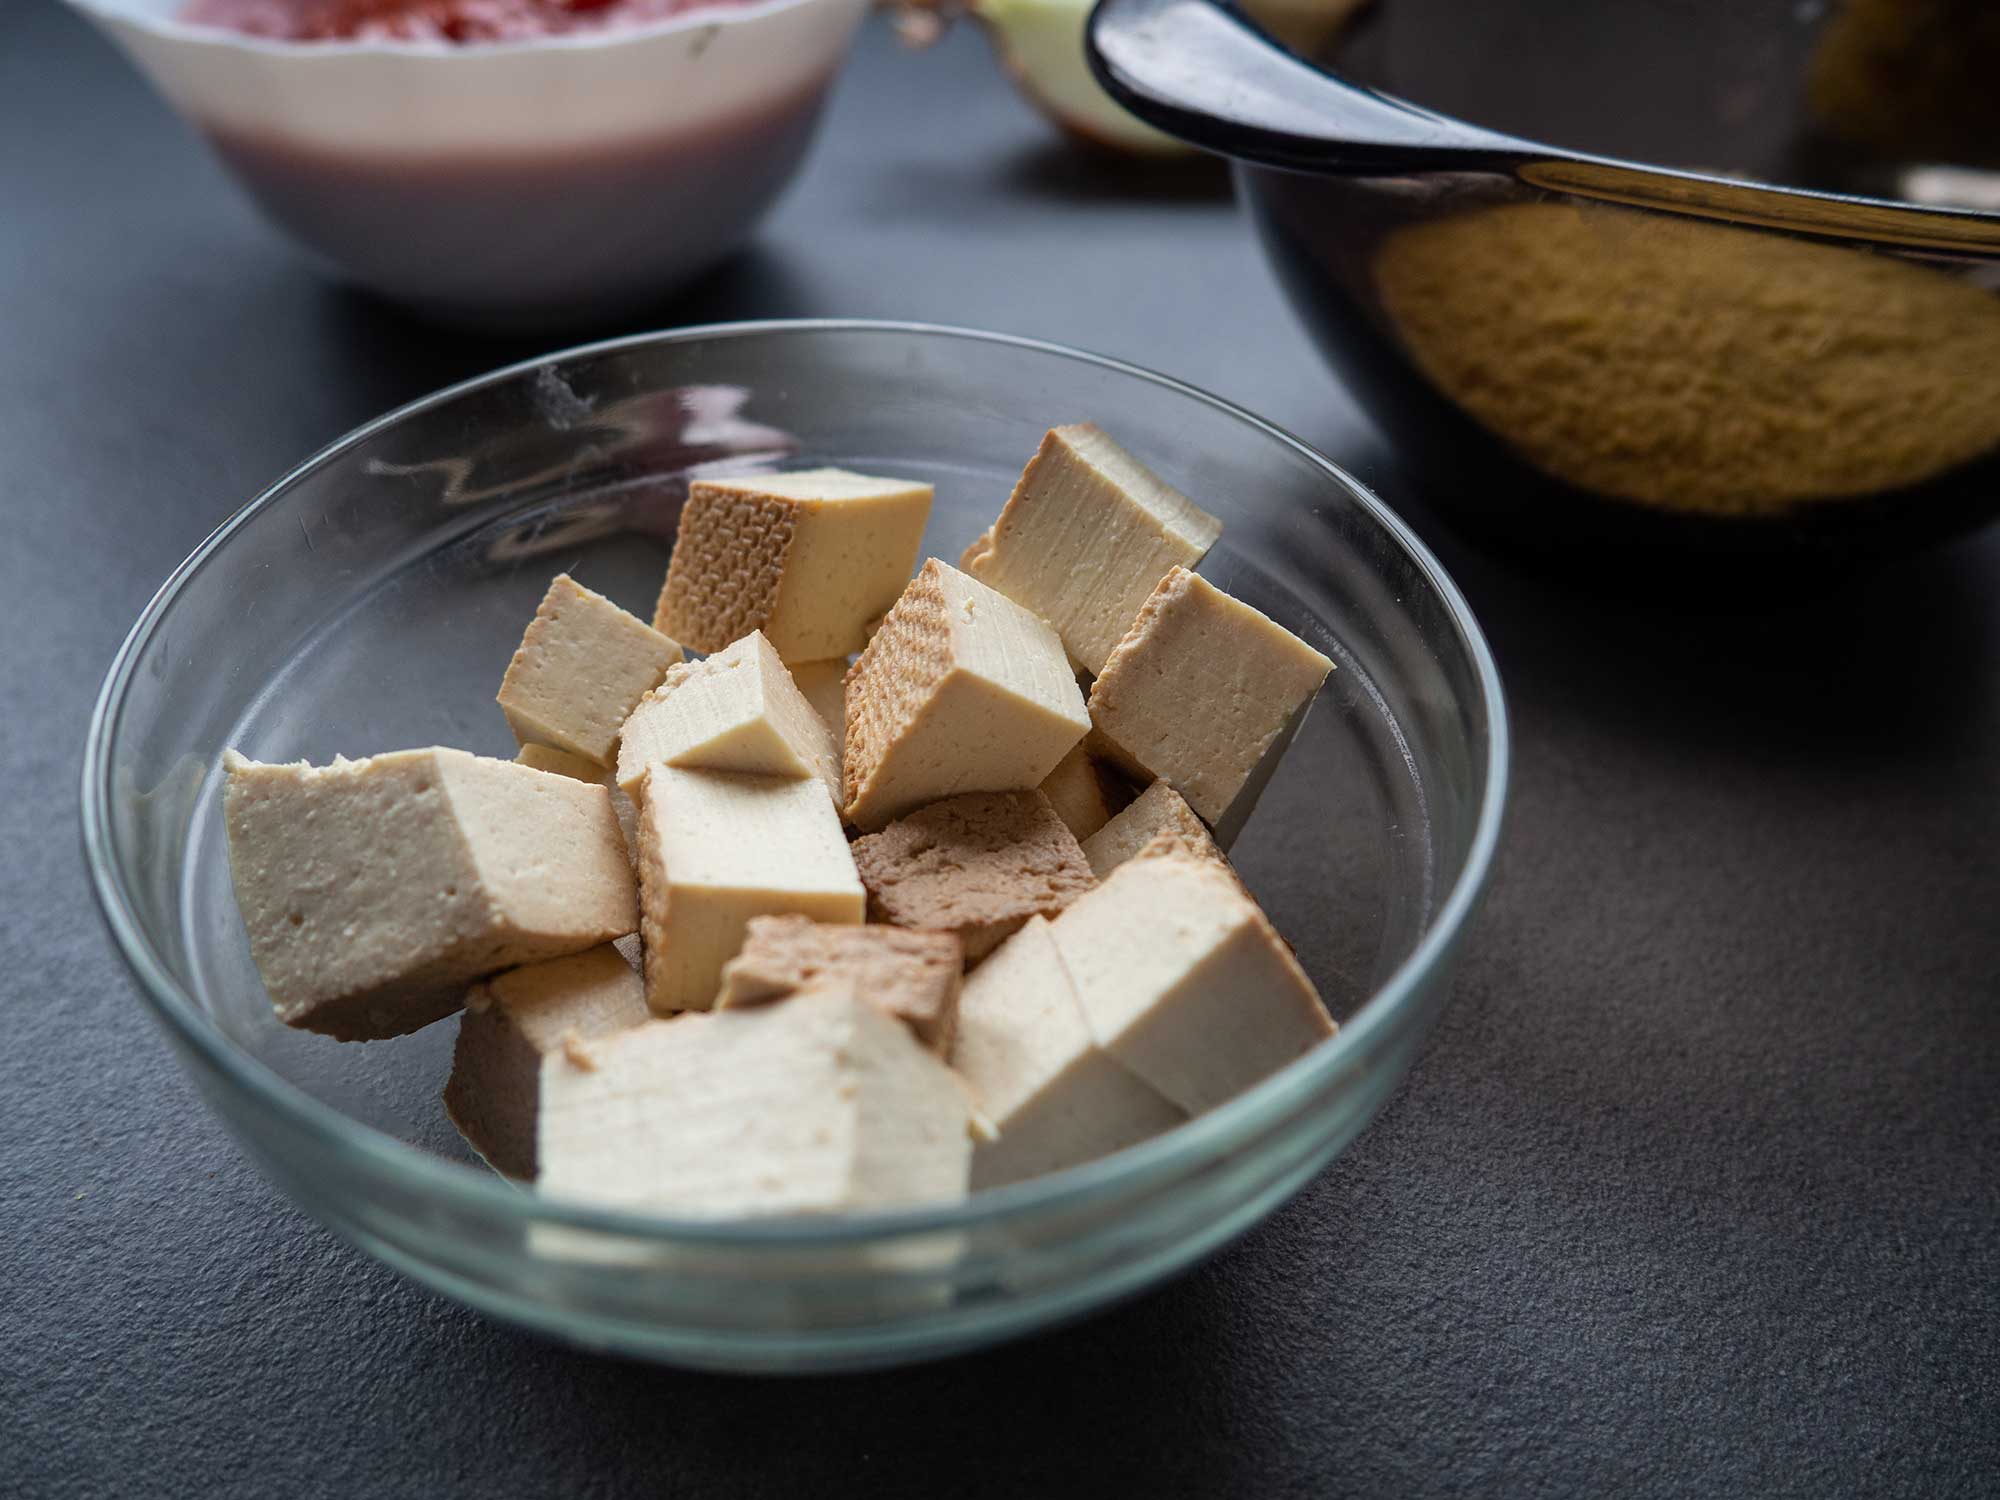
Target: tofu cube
<point>1159,810</point>
<point>810,559</point>
<point>817,1104</point>
<point>717,848</point>
<point>1205,693</point>
<point>577,768</point>
<point>824,684</point>
<point>961,690</point>
<point>914,976</point>
<point>738,710</point>
<point>1086,535</point>
<point>581,666</point>
<point>1183,980</point>
<point>513,1022</point>
<point>1084,793</point>
<point>1055,1096</point>
<point>977,866</point>
<point>374,891</point>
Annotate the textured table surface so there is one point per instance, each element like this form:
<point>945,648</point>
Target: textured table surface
<point>1696,1191</point>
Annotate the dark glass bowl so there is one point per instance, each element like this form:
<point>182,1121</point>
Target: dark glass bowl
<point>1593,320</point>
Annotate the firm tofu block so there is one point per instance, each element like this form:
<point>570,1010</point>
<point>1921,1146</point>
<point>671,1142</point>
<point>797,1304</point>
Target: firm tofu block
<point>961,690</point>
<point>737,710</point>
<point>825,685</point>
<point>374,891</point>
<point>579,768</point>
<point>512,1023</point>
<point>1184,981</point>
<point>817,1104</point>
<point>1157,810</point>
<point>717,848</point>
<point>581,666</point>
<point>1026,1051</point>
<point>1084,793</point>
<point>810,559</point>
<point>978,866</point>
<point>914,976</point>
<point>1086,535</point>
<point>1204,693</point>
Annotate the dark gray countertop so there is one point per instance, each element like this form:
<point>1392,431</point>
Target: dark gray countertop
<point>1697,1190</point>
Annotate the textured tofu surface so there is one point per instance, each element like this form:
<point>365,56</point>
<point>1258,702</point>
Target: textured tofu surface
<point>1202,691</point>
<point>914,976</point>
<point>737,710</point>
<point>978,866</point>
<point>717,848</point>
<point>961,690</point>
<point>1084,538</point>
<point>1157,810</point>
<point>511,1023</point>
<point>582,664</point>
<point>1182,979</point>
<point>818,1103</point>
<point>809,558</point>
<point>373,891</point>
<point>1027,1052</point>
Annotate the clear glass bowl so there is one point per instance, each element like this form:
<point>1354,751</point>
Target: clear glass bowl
<point>370,600</point>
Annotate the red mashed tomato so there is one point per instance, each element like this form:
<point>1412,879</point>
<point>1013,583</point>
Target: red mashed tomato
<point>431,20</point>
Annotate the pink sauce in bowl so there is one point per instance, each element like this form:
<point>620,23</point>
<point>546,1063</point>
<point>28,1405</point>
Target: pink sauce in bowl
<point>432,20</point>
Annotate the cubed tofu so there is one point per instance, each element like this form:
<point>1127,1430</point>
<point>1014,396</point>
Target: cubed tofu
<point>1084,793</point>
<point>914,976</point>
<point>1085,537</point>
<point>1157,810</point>
<point>809,558</point>
<point>825,685</point>
<point>817,1104</point>
<point>1204,693</point>
<point>579,768</point>
<point>1053,1094</point>
<point>581,666</point>
<point>737,710</point>
<point>961,690</point>
<point>1184,981</point>
<point>717,848</point>
<point>978,866</point>
<point>512,1023</point>
<point>374,891</point>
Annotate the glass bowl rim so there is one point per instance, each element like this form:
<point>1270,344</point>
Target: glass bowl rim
<point>1207,1136</point>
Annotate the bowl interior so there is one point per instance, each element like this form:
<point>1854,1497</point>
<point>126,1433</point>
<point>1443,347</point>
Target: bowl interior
<point>1847,95</point>
<point>374,601</point>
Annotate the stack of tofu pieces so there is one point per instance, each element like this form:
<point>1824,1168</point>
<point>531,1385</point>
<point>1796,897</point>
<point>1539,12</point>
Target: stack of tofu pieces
<point>906,887</point>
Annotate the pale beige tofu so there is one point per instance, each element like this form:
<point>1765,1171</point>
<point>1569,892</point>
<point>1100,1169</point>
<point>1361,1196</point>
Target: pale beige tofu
<point>817,1104</point>
<point>977,866</point>
<point>374,891</point>
<point>1083,792</point>
<point>914,976</point>
<point>737,710</point>
<point>579,768</point>
<point>581,666</point>
<point>824,684</point>
<point>717,848</point>
<point>961,690</point>
<point>809,558</point>
<point>1157,810</point>
<point>1184,981</point>
<point>1054,1096</point>
<point>1086,535</point>
<point>1204,693</point>
<point>512,1023</point>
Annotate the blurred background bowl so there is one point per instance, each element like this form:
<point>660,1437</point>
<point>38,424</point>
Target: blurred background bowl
<point>1663,276</point>
<point>371,599</point>
<point>509,184</point>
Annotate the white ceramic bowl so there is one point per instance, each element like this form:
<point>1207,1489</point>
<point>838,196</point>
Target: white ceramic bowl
<point>509,182</point>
